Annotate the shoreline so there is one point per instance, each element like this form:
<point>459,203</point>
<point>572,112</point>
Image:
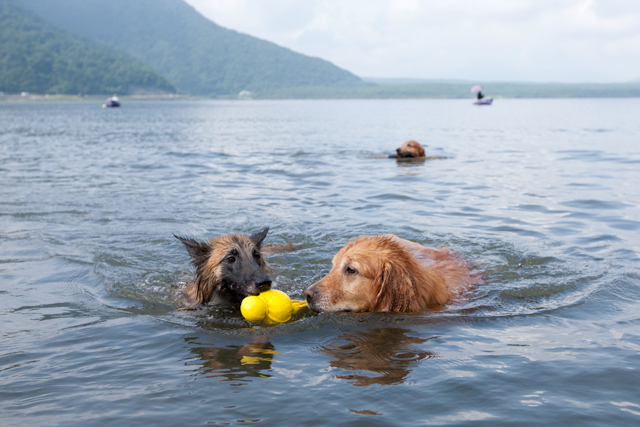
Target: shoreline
<point>373,91</point>
<point>100,98</point>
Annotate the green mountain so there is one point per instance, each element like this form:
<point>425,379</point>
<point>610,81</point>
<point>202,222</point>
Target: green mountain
<point>37,57</point>
<point>196,55</point>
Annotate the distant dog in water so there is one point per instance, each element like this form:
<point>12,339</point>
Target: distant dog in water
<point>228,268</point>
<point>410,149</point>
<point>387,273</point>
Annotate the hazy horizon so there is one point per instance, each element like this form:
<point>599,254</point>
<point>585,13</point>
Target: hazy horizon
<point>573,41</point>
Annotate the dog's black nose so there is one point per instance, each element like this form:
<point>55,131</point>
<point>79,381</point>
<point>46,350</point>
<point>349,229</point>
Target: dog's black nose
<point>309,294</point>
<point>264,286</point>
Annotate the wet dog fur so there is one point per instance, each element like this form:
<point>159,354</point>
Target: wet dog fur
<point>228,269</point>
<point>387,273</point>
<point>410,149</point>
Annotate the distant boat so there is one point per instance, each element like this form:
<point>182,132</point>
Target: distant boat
<point>484,101</point>
<point>481,100</point>
<point>114,101</point>
<point>111,103</point>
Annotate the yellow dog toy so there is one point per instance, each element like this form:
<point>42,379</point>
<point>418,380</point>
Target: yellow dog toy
<point>271,307</point>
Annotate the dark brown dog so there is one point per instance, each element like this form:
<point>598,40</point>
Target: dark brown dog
<point>387,273</point>
<point>410,149</point>
<point>228,269</point>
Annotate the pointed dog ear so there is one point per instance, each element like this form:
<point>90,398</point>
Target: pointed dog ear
<point>198,251</point>
<point>259,237</point>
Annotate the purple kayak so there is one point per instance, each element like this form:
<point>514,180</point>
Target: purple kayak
<point>484,101</point>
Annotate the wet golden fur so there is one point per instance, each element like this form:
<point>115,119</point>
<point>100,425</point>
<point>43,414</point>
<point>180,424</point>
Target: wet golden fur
<point>387,273</point>
<point>411,149</point>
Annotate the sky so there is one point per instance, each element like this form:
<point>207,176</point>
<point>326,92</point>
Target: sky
<point>571,41</point>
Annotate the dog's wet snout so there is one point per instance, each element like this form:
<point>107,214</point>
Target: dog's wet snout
<point>310,294</point>
<point>265,285</point>
<point>261,280</point>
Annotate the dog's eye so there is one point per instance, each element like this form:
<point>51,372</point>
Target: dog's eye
<point>350,270</point>
<point>256,255</point>
<point>231,259</point>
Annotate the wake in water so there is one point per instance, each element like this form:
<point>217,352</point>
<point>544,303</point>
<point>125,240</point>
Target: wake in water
<point>515,282</point>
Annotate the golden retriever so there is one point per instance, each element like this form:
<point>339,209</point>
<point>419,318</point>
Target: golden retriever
<point>387,273</point>
<point>410,149</point>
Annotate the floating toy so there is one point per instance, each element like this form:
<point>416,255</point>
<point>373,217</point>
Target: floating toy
<point>271,307</point>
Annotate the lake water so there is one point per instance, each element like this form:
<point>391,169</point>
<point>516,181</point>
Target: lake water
<point>543,195</point>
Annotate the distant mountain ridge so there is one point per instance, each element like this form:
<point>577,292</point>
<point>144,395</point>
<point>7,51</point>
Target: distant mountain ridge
<point>37,57</point>
<point>198,56</point>
<point>404,81</point>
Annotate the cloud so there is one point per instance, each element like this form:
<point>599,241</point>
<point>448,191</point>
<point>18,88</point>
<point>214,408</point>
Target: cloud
<point>518,40</point>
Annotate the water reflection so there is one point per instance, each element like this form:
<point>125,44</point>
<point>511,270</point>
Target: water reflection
<point>386,352</point>
<point>409,162</point>
<point>235,362</point>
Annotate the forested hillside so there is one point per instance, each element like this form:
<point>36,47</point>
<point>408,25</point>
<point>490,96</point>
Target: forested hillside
<point>196,55</point>
<point>39,58</point>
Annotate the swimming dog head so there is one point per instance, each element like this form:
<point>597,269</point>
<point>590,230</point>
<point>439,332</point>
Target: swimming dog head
<point>228,269</point>
<point>375,273</point>
<point>410,149</point>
